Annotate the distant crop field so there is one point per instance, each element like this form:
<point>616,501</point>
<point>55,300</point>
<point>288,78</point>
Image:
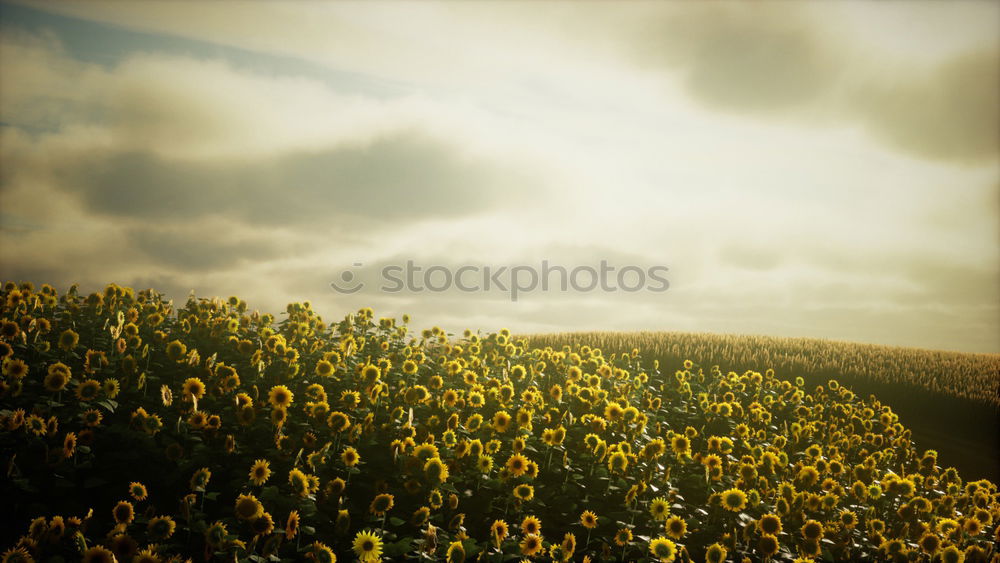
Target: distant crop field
<point>975,377</point>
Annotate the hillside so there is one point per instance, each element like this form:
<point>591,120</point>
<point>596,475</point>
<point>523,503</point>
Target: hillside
<point>137,430</point>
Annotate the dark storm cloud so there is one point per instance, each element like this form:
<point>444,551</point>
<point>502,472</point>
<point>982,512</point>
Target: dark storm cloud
<point>399,178</point>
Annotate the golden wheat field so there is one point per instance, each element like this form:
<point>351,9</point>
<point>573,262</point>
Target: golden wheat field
<point>132,430</point>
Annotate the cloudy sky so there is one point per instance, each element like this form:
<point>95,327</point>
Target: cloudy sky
<point>802,169</point>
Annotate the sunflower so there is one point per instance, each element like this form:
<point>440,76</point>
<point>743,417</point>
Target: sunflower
<point>193,387</point>
<point>715,553</point>
<point>88,390</point>
<point>768,545</point>
<point>69,445</point>
<point>485,464</point>
<point>769,524</point>
<point>260,472</point>
<point>58,376</point>
<point>456,553</point>
<point>516,465</point>
<point>381,504</point>
<point>166,395</point>
<point>197,420</point>
<point>176,350</point>
<point>568,544</point>
<point>848,519</point>
<point>973,526</point>
<point>623,536</point>
<point>124,547</point>
<point>280,397</point>
<point>524,492</point>
<point>123,512</point>
<point>654,449</point>
<point>245,415</point>
<point>501,421</point>
<point>299,482</point>
<point>807,476</point>
<point>264,525</point>
<point>338,421</point>
<point>498,531</point>
<point>68,340</point>
<point>137,490</point>
<point>531,545</point>
<point>92,417</point>
<point>160,528</point>
<point>474,422</point>
<point>681,445</point>
<point>588,519</point>
<point>350,457</point>
<point>617,462</point>
<point>321,553</point>
<point>35,424</point>
<point>475,399</point>
<point>952,554</point>
<point>292,525</point>
<point>370,374</point>
<point>734,500</point>
<point>659,508</point>
<point>199,480</point>
<point>435,471</point>
<point>930,543</point>
<point>613,411</point>
<point>248,507</point>
<point>812,530</point>
<point>663,549</point>
<point>367,546</point>
<point>324,368</point>
<point>531,525</point>
<point>420,516</point>
<point>676,527</point>
<point>216,534</point>
<point>98,554</point>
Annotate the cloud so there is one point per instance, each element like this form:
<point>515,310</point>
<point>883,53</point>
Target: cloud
<point>402,178</point>
<point>948,112</point>
<point>784,60</point>
<point>213,245</point>
<point>740,58</point>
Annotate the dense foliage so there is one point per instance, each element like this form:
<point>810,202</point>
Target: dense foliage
<point>133,431</point>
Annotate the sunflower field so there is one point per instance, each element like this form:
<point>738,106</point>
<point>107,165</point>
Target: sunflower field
<point>134,430</point>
